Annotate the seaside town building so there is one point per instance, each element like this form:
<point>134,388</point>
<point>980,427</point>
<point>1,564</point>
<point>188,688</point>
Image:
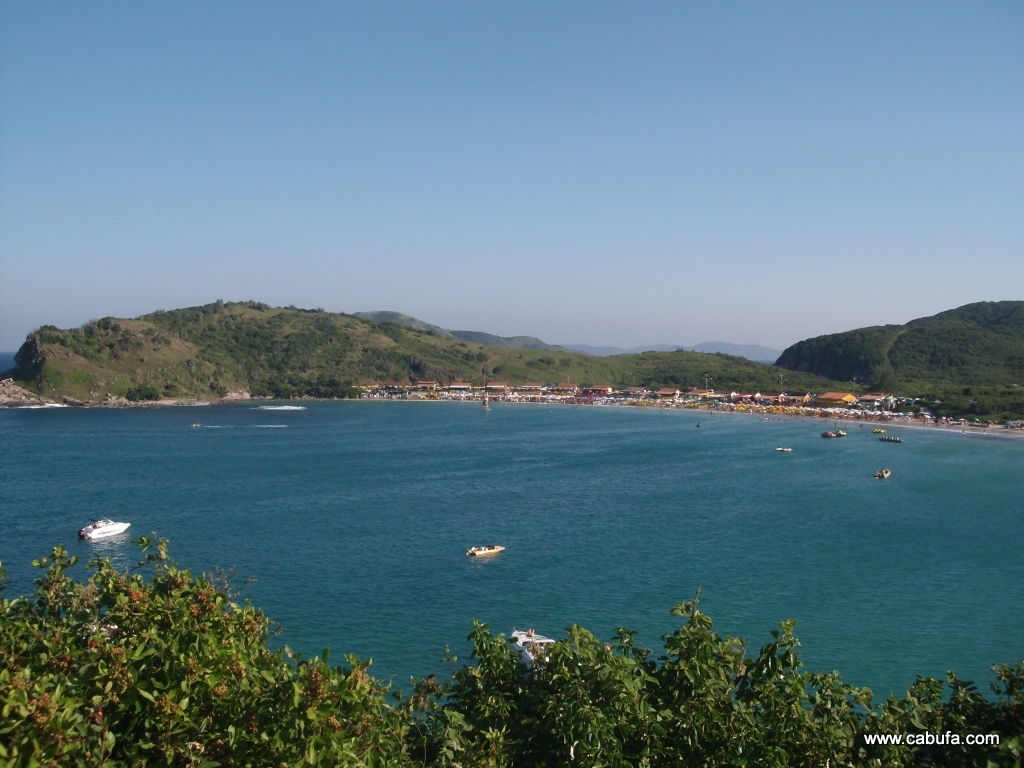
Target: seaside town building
<point>876,399</point>
<point>837,399</point>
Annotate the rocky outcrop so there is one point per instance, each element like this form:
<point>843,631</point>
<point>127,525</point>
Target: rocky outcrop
<point>13,395</point>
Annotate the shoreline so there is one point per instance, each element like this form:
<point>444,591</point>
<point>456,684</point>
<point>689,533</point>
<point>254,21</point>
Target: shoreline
<point>30,401</point>
<point>965,431</point>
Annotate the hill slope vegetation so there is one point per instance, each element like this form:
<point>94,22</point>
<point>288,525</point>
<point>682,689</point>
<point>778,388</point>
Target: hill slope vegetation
<point>970,358</point>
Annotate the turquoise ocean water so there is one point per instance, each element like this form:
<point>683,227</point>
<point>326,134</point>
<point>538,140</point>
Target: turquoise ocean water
<point>354,519</point>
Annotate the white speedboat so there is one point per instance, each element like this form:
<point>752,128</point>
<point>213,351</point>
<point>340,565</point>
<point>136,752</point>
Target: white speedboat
<point>484,551</point>
<point>101,529</point>
<point>529,644</point>
<point>784,449</point>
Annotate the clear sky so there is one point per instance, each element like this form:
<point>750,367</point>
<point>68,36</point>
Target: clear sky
<point>623,173</point>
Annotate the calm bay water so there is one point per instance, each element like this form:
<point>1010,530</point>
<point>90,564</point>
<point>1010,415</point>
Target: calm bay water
<point>354,518</point>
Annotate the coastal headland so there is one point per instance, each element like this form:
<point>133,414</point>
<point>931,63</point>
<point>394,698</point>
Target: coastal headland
<point>224,352</point>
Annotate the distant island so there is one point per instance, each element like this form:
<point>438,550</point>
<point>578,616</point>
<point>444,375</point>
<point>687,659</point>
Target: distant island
<point>968,361</point>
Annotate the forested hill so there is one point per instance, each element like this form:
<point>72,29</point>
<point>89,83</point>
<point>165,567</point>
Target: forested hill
<point>975,345</point>
<point>210,351</point>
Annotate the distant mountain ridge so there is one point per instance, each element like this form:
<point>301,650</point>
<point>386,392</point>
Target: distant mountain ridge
<point>477,337</point>
<point>408,321</point>
<point>754,352</point>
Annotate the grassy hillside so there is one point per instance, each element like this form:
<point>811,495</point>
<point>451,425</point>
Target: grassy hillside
<point>970,359</point>
<point>210,351</point>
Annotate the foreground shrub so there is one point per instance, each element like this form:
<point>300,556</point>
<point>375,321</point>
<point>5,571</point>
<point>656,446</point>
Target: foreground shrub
<point>170,671</point>
<point>704,702</point>
<point>122,670</point>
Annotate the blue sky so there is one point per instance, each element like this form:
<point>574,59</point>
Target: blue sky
<point>621,174</point>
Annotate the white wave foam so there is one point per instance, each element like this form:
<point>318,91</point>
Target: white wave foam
<point>44,405</point>
<point>280,407</point>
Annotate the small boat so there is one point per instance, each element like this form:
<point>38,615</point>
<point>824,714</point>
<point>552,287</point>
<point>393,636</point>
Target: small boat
<point>784,450</point>
<point>829,434</point>
<point>698,425</point>
<point>878,431</point>
<point>101,529</point>
<point>889,439</point>
<point>882,474</point>
<point>840,433</point>
<point>197,424</point>
<point>529,644</point>
<point>485,551</point>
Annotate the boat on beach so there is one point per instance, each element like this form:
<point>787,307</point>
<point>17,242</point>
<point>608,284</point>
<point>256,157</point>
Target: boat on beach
<point>101,529</point>
<point>485,551</point>
<point>882,474</point>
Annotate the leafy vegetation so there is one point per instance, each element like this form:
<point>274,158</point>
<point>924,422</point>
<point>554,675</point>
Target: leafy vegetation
<point>143,392</point>
<point>977,346</point>
<point>214,350</point>
<point>119,671</point>
<point>123,670</point>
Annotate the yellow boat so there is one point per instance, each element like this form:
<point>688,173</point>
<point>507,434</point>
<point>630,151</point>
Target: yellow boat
<point>485,551</point>
<point>878,431</point>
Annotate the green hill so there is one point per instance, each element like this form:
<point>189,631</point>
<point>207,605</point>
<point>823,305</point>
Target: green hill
<point>970,358</point>
<point>217,349</point>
